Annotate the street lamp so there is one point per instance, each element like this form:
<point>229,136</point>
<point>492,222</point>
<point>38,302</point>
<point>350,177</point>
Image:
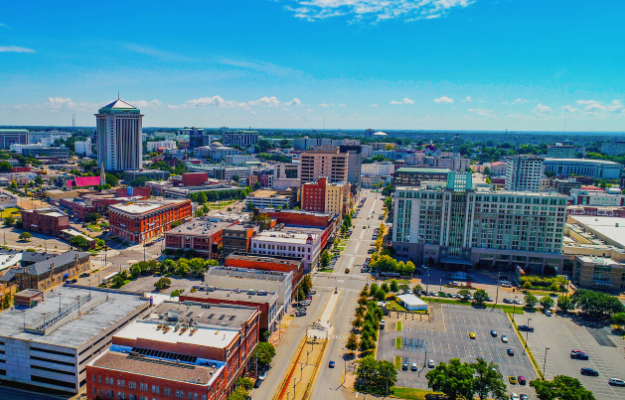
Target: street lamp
<point>527,334</point>
<point>514,308</point>
<point>427,284</point>
<point>545,363</point>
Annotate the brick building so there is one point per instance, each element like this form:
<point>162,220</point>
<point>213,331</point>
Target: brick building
<point>200,235</point>
<point>180,350</point>
<point>141,220</point>
<point>237,238</point>
<point>45,220</point>
<point>299,217</point>
<point>191,179</point>
<point>266,302</point>
<point>313,196</point>
<point>263,263</point>
<point>42,271</point>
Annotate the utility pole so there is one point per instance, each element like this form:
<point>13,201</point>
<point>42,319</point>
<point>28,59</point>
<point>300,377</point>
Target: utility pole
<point>497,296</point>
<point>527,334</point>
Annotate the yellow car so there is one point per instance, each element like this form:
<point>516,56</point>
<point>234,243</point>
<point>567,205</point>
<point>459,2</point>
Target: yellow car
<point>472,335</point>
<point>512,379</point>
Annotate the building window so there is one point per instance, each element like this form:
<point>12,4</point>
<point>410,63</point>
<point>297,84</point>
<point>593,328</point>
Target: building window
<point>155,389</point>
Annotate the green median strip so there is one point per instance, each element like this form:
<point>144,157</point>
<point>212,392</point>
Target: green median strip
<point>398,343</point>
<point>505,308</point>
<point>411,394</point>
<point>397,362</point>
<point>529,352</point>
<point>399,326</point>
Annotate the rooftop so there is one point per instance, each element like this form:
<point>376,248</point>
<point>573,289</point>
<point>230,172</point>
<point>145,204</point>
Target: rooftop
<point>424,170</point>
<point>244,273</point>
<point>249,295</point>
<point>266,193</point>
<point>45,263</point>
<point>293,236</point>
<point>119,105</point>
<point>98,313</point>
<point>611,228</point>
<point>580,160</point>
<point>221,317</point>
<point>47,211</point>
<point>599,260</point>
<point>140,207</point>
<point>201,227</point>
<point>265,259</point>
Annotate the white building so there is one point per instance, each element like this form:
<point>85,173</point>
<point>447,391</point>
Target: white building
<point>583,197</point>
<point>18,148</point>
<point>167,144</point>
<point>524,173</point>
<point>367,151</point>
<point>83,148</point>
<point>216,151</point>
<point>385,168</point>
<point>269,199</point>
<point>47,137</point>
<point>119,137</point>
<point>291,242</point>
<point>238,159</point>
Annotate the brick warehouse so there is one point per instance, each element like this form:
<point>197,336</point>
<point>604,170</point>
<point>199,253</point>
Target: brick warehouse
<point>180,350</point>
<point>141,220</point>
<point>263,263</point>
<point>199,235</point>
<point>48,221</point>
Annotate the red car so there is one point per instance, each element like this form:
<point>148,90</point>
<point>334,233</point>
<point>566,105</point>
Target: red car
<point>522,380</point>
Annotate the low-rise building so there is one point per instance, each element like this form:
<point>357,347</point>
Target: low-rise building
<point>259,262</point>
<point>180,350</point>
<point>149,174</point>
<point>61,153</point>
<point>45,220</point>
<point>238,159</point>
<point>163,144</point>
<point>414,176</point>
<point>596,198</point>
<point>50,338</point>
<point>236,238</point>
<point>291,241</point>
<point>564,186</point>
<point>83,147</point>
<point>600,169</point>
<point>321,196</point>
<point>271,198</point>
<point>13,136</point>
<point>385,168</point>
<point>200,235</point>
<point>142,220</point>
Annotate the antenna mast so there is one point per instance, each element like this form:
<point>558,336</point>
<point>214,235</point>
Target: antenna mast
<point>74,119</point>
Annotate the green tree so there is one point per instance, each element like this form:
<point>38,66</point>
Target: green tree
<point>135,271</point>
<point>530,300</point>
<point>13,184</point>
<point>306,284</point>
<point>562,388</point>
<point>245,383</point>
<point>386,263</point>
<point>79,241</point>
<point>39,180</point>
<point>239,393</point>
<point>480,296</point>
<point>197,265</point>
<point>380,295</point>
<point>26,236</point>
<point>465,293</point>
<point>111,180</point>
<point>404,288</point>
<point>118,281</point>
<point>169,266</point>
<point>9,221</point>
<point>92,217</point>
<point>162,283</point>
<point>265,352</point>
<point>417,289</point>
<point>385,288</point>
<point>236,178</point>
<point>547,302</point>
<point>343,230</point>
<point>455,379</point>
<point>409,268</point>
<point>373,289</point>
<point>388,189</point>
<point>394,286</point>
<point>375,376</point>
<point>618,319</point>
<point>202,198</point>
<point>565,303</point>
<point>325,259</point>
<point>352,342</point>
<point>488,381</point>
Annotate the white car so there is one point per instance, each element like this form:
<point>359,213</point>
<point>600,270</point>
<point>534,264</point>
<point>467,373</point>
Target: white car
<point>616,382</point>
<point>431,363</point>
<point>514,396</point>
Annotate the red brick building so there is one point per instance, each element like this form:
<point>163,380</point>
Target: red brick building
<point>134,191</point>
<point>313,197</point>
<point>181,350</point>
<point>266,302</point>
<point>200,235</point>
<point>263,263</point>
<point>48,221</point>
<point>141,220</point>
<point>298,217</point>
<point>192,179</point>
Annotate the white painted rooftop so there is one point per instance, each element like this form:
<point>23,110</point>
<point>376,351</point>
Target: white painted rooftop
<point>204,336</point>
<point>9,260</point>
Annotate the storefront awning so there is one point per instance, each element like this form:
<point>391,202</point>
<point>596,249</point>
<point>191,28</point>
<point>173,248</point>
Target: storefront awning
<point>450,260</point>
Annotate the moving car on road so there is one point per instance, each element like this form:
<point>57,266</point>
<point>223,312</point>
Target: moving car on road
<point>331,364</point>
<point>472,335</point>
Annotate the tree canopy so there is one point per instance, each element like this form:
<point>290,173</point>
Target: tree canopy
<point>562,388</point>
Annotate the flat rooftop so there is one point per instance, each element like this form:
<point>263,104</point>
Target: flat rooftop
<point>141,207</point>
<point>250,296</point>
<point>612,228</point>
<point>295,261</point>
<point>600,260</point>
<point>223,316</point>
<point>580,161</point>
<point>244,273</point>
<point>423,170</point>
<point>295,237</point>
<point>9,260</point>
<point>98,313</point>
<point>201,227</point>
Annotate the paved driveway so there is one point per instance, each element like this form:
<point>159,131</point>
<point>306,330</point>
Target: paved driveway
<point>561,335</point>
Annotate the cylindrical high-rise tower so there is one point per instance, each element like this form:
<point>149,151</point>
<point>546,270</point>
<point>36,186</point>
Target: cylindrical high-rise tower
<point>119,137</point>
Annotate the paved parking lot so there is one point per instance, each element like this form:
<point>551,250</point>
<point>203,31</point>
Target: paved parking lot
<point>561,335</point>
<point>442,342</point>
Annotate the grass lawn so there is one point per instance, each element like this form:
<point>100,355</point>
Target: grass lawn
<point>10,211</point>
<point>399,326</point>
<point>505,308</point>
<point>397,362</point>
<point>544,293</point>
<point>410,393</point>
<point>392,305</point>
<point>398,343</point>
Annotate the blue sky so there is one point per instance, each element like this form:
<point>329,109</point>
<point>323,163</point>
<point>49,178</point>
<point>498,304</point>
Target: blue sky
<point>382,64</point>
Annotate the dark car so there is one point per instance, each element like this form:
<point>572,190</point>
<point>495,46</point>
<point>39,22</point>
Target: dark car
<point>589,372</point>
<point>493,333</point>
<point>522,380</point>
<point>332,364</point>
<point>579,355</point>
<point>525,328</point>
<point>257,383</point>
<point>510,352</point>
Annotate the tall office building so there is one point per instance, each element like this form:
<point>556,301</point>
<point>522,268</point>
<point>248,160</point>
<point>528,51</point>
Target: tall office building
<point>354,161</point>
<point>324,161</point>
<point>524,173</point>
<point>119,136</point>
<point>83,148</point>
<point>457,224</point>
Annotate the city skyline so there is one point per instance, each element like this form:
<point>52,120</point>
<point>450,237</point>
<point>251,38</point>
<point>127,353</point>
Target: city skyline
<point>433,65</point>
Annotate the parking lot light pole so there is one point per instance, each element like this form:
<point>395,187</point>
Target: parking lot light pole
<point>497,296</point>
<point>527,335</point>
<point>514,308</point>
<point>545,364</point>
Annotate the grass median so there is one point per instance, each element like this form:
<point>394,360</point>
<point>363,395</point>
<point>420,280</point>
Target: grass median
<point>399,326</point>
<point>529,352</point>
<point>398,343</point>
<point>507,309</point>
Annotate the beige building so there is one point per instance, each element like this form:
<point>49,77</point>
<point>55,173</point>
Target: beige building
<point>337,195</point>
<point>324,161</point>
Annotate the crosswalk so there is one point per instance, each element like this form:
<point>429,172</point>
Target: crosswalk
<point>339,336</point>
<point>351,275</point>
<point>334,287</point>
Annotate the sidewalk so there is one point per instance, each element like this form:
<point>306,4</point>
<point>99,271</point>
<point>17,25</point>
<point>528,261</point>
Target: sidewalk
<point>277,336</point>
<point>323,328</point>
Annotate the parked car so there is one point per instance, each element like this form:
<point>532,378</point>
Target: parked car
<point>257,383</point>
<point>413,367</point>
<point>616,382</point>
<point>431,363</point>
<point>525,328</point>
<point>404,366</point>
<point>522,380</point>
<point>579,355</point>
<point>507,301</point>
<point>548,312</point>
<point>589,372</point>
<point>512,380</point>
<point>262,376</point>
<point>514,396</point>
<point>504,338</point>
<point>510,352</point>
<point>524,397</point>
<point>332,364</point>
<point>493,333</point>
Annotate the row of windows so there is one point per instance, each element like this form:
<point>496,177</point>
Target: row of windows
<point>110,394</point>
<point>155,389</point>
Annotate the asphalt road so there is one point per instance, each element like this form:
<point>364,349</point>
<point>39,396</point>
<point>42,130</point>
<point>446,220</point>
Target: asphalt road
<point>328,385</point>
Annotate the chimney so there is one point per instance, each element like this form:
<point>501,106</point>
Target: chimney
<point>51,265</point>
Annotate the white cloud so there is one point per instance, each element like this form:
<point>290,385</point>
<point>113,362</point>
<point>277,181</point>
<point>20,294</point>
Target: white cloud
<point>376,10</point>
<point>405,100</point>
<point>151,51</point>
<point>444,100</point>
<point>585,102</point>
<point>373,105</point>
<point>595,107</point>
<point>15,49</point>
<point>540,109</point>
<point>323,105</point>
<point>569,109</point>
<point>309,110</point>
<point>294,102</point>
<point>62,104</point>
<point>265,101</point>
<point>483,112</point>
<point>520,101</point>
<point>341,105</point>
<point>467,100</point>
<point>146,104</point>
<point>214,101</point>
